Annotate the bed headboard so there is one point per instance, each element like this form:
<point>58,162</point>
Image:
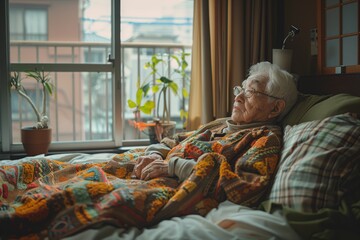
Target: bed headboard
<point>330,84</point>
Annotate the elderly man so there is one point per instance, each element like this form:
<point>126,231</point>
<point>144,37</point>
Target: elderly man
<point>238,155</point>
<point>264,97</point>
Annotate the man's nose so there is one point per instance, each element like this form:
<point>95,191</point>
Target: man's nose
<point>239,97</point>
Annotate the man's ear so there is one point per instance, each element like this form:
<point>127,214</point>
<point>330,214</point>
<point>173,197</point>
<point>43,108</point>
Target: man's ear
<point>278,108</point>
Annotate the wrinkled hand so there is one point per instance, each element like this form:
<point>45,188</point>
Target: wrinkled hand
<point>157,168</point>
<point>143,161</point>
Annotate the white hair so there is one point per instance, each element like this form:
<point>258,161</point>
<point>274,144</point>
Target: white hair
<point>280,83</point>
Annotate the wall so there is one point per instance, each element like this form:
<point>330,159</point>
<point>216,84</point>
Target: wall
<point>301,14</point>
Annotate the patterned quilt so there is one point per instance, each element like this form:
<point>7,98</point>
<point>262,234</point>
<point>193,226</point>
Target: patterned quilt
<point>47,198</point>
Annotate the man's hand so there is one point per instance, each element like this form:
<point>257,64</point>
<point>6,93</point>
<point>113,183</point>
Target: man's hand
<point>143,161</point>
<point>157,168</point>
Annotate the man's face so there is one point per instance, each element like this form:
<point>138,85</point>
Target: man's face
<point>257,107</point>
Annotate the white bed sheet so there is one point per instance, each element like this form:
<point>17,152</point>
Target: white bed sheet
<point>228,221</point>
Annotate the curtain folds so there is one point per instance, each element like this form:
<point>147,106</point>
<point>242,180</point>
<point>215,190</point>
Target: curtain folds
<point>228,37</point>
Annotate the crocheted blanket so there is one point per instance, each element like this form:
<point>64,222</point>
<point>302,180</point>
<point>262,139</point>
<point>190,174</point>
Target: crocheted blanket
<point>46,198</point>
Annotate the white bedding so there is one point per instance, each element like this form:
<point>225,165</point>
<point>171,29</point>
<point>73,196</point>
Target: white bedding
<point>228,221</point>
<point>67,157</point>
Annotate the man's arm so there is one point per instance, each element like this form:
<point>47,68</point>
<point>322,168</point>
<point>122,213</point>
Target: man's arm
<point>152,166</point>
<point>181,167</point>
<point>158,148</point>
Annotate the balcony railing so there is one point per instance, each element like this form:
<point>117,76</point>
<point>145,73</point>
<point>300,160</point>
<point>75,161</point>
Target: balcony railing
<point>82,108</point>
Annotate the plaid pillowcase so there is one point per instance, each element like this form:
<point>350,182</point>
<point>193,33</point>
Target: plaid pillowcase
<point>320,163</point>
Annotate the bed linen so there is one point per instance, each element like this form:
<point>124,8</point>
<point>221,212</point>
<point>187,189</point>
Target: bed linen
<point>229,222</point>
<point>57,197</point>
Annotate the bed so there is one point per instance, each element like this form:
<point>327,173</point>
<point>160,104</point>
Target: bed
<point>315,193</point>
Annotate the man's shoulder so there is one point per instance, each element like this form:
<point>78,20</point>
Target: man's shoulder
<point>275,129</point>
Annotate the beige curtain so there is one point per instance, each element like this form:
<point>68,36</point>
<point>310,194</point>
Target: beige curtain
<point>228,37</point>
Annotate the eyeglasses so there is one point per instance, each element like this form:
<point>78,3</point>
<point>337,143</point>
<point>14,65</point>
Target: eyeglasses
<point>249,92</point>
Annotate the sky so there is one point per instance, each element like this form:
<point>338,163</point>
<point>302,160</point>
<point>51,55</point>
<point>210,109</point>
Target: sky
<point>130,8</point>
<point>100,10</point>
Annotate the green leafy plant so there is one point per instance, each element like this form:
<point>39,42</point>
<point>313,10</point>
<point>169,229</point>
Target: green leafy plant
<point>161,81</point>
<point>47,89</point>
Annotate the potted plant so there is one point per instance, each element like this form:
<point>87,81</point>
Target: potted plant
<point>36,139</point>
<point>161,83</point>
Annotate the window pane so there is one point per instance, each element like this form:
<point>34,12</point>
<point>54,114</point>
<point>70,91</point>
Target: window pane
<point>166,29</point>
<point>350,18</point>
<point>24,111</point>
<point>16,26</point>
<point>160,21</point>
<point>80,110</point>
<point>332,22</point>
<point>350,46</point>
<point>332,53</point>
<point>83,35</point>
<point>36,24</point>
<point>331,2</point>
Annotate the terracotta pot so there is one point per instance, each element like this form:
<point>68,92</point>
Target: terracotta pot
<point>160,131</point>
<point>36,141</point>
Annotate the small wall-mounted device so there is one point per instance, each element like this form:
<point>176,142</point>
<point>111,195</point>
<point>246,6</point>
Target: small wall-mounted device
<point>340,69</point>
<point>313,41</point>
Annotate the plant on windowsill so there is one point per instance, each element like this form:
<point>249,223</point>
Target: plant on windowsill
<point>165,85</point>
<point>36,140</point>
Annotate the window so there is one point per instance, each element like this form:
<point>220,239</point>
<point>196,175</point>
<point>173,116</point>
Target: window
<point>160,27</point>
<point>94,57</point>
<point>28,23</point>
<point>339,36</point>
